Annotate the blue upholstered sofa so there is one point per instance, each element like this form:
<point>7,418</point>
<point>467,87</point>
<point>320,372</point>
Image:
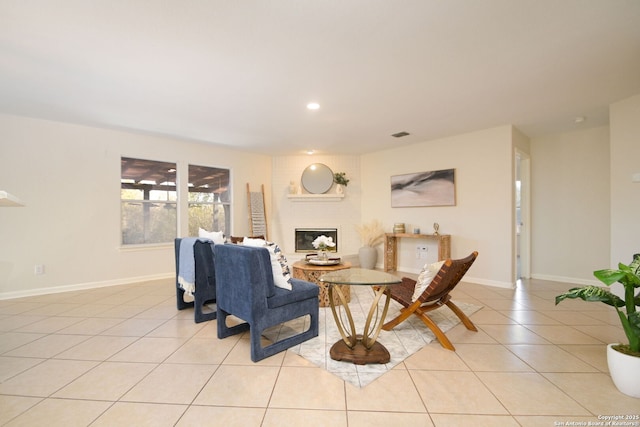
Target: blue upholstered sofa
<point>205,281</point>
<point>245,289</point>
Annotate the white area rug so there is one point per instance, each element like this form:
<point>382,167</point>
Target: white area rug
<point>404,340</point>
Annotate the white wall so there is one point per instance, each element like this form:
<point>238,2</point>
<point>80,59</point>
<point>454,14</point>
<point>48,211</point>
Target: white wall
<point>570,205</point>
<point>69,178</point>
<point>625,194</point>
<point>482,219</point>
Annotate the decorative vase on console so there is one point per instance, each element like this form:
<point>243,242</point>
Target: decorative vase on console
<point>371,235</point>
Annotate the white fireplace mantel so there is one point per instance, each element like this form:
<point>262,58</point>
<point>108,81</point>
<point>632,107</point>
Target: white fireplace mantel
<point>333,197</point>
<point>9,200</point>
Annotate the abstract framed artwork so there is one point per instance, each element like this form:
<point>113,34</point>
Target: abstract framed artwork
<point>432,188</point>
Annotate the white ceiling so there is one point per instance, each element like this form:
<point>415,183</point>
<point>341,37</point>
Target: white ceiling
<point>239,73</point>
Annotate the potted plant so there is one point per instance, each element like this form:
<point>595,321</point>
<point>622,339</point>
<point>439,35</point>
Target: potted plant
<point>623,359</point>
<point>340,178</point>
<point>371,235</point>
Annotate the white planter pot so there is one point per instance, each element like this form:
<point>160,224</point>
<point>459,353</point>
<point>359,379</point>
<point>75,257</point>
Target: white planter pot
<point>625,371</point>
<point>368,257</point>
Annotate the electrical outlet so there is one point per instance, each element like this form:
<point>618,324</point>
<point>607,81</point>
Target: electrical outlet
<point>38,269</point>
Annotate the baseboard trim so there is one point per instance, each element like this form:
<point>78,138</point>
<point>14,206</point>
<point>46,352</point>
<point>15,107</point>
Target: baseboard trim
<point>563,279</point>
<point>82,286</point>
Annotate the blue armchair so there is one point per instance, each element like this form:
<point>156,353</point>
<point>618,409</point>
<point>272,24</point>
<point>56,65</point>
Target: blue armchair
<point>205,281</point>
<point>245,289</point>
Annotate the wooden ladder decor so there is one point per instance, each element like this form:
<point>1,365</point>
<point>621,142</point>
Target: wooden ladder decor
<point>257,215</point>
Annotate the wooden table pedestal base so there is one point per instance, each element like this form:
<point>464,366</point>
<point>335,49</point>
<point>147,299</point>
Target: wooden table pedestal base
<point>359,354</point>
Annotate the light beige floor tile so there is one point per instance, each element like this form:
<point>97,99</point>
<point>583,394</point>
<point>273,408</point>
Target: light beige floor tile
<point>12,366</point>
<point>513,334</point>
<point>209,330</point>
<point>491,317</point>
<point>295,360</point>
<point>460,334</point>
<point>141,415</point>
<point>386,419</point>
<point>97,348</point>
<point>573,317</point>
<point>134,327</point>
<point>196,416</point>
<point>530,394</point>
<point>177,328</point>
<point>12,406</point>
<point>165,312</point>
<point>437,358</point>
<point>49,324</point>
<point>121,311</point>
<point>108,381</point>
<point>61,412</point>
<point>595,355</point>
<point>490,357</point>
<point>455,392</point>
<point>11,323</point>
<point>48,346</point>
<point>242,385</point>
<point>87,310</point>
<point>595,392</point>
<point>45,378</point>
<point>149,350</point>
<point>530,317</point>
<point>91,326</point>
<point>310,388</point>
<point>393,391</point>
<point>13,340</point>
<point>453,420</point>
<point>185,381</point>
<point>304,417</point>
<point>604,333</point>
<point>545,358</point>
<point>53,309</point>
<point>19,307</point>
<point>203,351</point>
<point>560,334</point>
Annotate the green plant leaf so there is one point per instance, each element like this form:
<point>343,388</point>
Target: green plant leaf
<point>591,293</point>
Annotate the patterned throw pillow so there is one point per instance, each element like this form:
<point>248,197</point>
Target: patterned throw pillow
<point>279,267</point>
<point>427,274</point>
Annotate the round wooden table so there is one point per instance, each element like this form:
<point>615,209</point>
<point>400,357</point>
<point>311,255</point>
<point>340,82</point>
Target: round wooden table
<point>312,273</point>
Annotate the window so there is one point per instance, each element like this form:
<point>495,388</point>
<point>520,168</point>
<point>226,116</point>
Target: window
<point>148,201</point>
<point>209,200</point>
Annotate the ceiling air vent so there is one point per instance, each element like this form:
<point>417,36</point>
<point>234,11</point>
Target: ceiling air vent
<point>400,134</point>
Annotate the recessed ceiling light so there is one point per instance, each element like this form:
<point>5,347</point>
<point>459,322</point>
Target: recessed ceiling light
<point>313,106</point>
<point>579,119</point>
<point>310,152</point>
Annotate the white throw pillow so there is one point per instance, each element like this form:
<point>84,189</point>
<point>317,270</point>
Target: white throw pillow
<point>216,236</point>
<point>425,277</point>
<point>248,241</point>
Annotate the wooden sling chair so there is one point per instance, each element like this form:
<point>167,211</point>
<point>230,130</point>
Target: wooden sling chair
<point>433,297</point>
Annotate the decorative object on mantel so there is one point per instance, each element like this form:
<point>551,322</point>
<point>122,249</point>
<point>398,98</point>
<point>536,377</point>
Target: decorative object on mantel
<point>433,188</point>
<point>436,229</point>
<point>293,188</point>
<point>623,360</point>
<point>322,243</point>
<point>340,178</point>
<point>371,235</point>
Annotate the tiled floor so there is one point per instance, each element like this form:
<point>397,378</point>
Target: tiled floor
<point>124,355</point>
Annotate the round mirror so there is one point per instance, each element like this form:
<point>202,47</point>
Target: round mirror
<point>317,178</point>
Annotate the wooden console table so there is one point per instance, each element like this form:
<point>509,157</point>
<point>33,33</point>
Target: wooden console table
<point>391,247</point>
